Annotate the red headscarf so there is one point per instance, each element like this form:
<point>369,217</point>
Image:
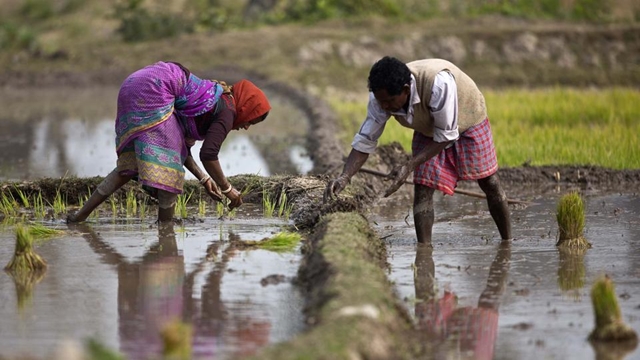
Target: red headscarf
<point>250,102</point>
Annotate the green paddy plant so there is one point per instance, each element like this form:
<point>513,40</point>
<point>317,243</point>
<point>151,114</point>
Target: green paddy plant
<point>59,204</point>
<point>570,214</point>
<point>131,203</point>
<point>268,205</point>
<point>39,206</point>
<point>181,204</point>
<point>24,198</point>
<point>24,257</point>
<point>283,241</point>
<point>40,231</point>
<point>142,208</point>
<point>114,206</point>
<point>176,338</point>
<point>8,205</point>
<point>202,207</point>
<point>609,324</point>
<point>220,205</point>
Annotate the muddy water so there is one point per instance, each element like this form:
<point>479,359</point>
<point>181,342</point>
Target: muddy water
<point>52,133</point>
<point>524,300</point>
<point>120,283</point>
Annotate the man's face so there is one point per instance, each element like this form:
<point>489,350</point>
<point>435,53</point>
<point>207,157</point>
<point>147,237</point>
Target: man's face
<point>392,103</point>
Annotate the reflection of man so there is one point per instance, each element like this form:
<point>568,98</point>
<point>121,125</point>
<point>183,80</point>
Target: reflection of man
<point>473,330</point>
<point>156,290</point>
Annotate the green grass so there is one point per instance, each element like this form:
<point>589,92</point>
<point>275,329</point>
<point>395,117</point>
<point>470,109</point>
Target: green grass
<point>555,126</point>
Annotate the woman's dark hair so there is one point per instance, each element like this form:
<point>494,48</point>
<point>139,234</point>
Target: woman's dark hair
<point>390,74</point>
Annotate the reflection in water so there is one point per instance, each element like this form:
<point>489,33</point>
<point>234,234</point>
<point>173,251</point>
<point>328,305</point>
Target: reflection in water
<point>467,332</point>
<point>157,290</point>
<point>55,147</point>
<point>571,270</point>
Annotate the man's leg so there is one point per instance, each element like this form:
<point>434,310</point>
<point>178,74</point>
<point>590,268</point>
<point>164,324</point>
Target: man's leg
<point>108,186</point>
<point>423,214</point>
<point>498,205</point>
<point>166,205</point>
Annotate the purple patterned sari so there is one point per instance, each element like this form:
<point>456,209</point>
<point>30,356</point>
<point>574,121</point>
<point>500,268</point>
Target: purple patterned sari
<point>156,110</point>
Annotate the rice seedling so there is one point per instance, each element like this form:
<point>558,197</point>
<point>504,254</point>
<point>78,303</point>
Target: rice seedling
<point>8,205</point>
<point>268,205</point>
<point>181,204</point>
<point>39,207</point>
<point>281,242</point>
<point>220,208</point>
<point>609,324</point>
<point>24,257</point>
<point>202,207</point>
<point>570,214</point>
<point>59,204</point>
<point>41,231</point>
<point>114,206</point>
<point>142,208</point>
<point>131,203</point>
<point>176,338</point>
<point>24,198</point>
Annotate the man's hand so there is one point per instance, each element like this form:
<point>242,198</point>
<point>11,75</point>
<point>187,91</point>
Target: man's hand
<point>212,190</point>
<point>334,187</point>
<point>398,176</point>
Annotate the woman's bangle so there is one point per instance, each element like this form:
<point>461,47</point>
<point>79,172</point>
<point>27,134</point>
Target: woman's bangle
<point>227,190</point>
<point>205,179</point>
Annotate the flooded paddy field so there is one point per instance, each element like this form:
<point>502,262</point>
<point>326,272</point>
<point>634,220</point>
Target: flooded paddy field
<point>120,282</point>
<point>539,295</point>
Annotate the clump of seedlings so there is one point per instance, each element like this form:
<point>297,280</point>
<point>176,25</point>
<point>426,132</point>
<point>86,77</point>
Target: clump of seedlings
<point>176,339</point>
<point>570,215</point>
<point>26,267</point>
<point>281,242</point>
<point>609,324</point>
<point>24,257</point>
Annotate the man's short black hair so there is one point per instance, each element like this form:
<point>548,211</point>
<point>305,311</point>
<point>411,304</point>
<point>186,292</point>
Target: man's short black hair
<point>390,74</point>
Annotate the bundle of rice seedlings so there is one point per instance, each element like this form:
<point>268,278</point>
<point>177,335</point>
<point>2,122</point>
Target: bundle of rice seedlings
<point>176,337</point>
<point>24,257</point>
<point>609,324</point>
<point>570,215</point>
<point>41,231</point>
<point>281,242</point>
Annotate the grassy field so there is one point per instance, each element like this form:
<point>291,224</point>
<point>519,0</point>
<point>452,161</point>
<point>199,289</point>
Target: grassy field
<point>555,126</point>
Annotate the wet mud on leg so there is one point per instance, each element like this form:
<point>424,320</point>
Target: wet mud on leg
<point>498,205</point>
<point>423,213</point>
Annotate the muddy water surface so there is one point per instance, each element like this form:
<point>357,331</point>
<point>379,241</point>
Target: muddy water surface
<point>120,283</point>
<point>524,300</point>
<point>58,135</point>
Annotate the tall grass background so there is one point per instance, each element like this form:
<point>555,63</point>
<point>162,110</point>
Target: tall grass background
<point>552,126</point>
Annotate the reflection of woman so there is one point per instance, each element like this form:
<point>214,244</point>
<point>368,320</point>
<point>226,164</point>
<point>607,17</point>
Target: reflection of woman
<point>473,329</point>
<point>157,290</point>
<point>162,110</point>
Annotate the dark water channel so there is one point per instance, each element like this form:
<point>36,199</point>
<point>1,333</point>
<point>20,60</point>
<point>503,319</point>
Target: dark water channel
<point>121,283</point>
<point>526,300</point>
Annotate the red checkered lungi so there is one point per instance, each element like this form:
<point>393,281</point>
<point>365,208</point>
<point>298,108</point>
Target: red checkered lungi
<point>472,157</point>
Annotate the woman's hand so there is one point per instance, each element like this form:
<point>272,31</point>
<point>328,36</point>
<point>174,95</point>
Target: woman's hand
<point>235,197</point>
<point>212,190</point>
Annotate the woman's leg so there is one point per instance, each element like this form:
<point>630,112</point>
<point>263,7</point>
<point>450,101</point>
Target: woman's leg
<point>166,205</point>
<point>108,186</point>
